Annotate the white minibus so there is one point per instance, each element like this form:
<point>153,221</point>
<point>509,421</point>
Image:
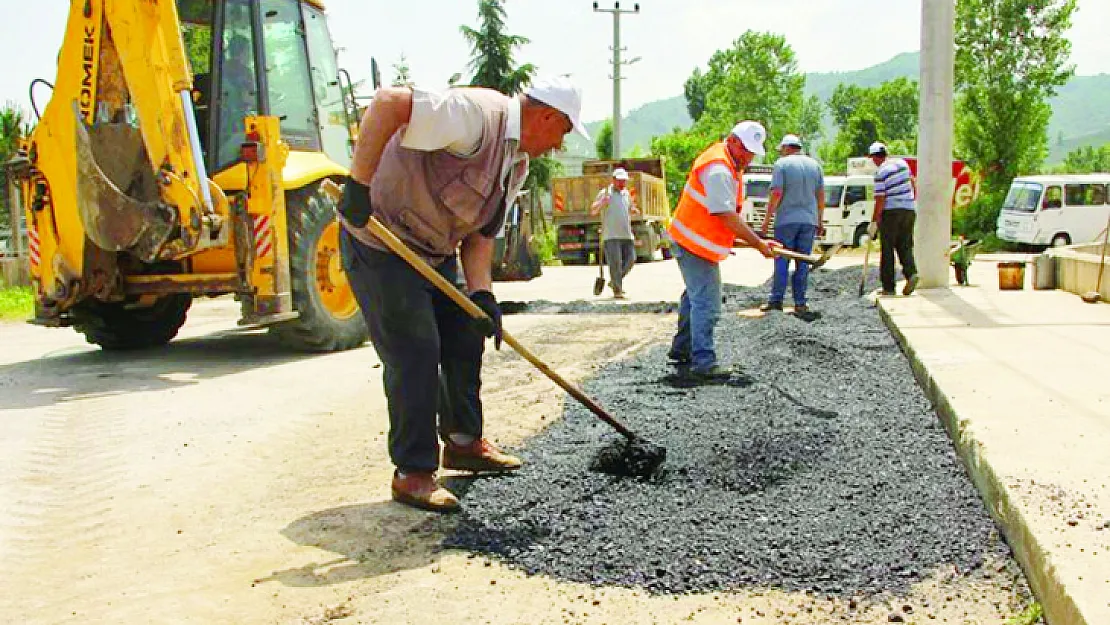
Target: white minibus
<point>1056,210</point>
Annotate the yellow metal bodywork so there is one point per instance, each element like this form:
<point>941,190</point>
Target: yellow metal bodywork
<point>123,62</point>
<point>118,60</point>
<point>301,170</point>
<point>266,211</point>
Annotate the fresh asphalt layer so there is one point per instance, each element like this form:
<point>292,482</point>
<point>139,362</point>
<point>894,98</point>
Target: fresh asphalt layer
<point>820,466</point>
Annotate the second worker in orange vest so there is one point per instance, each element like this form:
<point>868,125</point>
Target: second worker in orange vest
<point>705,224</point>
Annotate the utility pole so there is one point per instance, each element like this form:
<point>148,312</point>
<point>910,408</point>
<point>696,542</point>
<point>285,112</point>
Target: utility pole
<point>934,163</point>
<point>617,11</point>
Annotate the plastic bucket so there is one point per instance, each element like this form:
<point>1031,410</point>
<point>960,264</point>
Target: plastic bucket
<point>1044,272</point>
<point>1011,276</point>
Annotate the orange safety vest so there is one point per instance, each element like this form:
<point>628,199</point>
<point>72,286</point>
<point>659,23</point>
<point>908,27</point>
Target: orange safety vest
<point>693,226</point>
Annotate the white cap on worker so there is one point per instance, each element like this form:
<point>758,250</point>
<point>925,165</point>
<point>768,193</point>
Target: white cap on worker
<point>877,148</point>
<point>751,134</point>
<point>790,140</point>
<point>620,174</point>
<point>559,93</point>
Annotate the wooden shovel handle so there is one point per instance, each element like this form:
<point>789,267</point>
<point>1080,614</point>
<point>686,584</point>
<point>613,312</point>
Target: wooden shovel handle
<point>421,266</point>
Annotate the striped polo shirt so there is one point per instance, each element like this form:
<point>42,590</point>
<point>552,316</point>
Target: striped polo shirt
<point>893,182</point>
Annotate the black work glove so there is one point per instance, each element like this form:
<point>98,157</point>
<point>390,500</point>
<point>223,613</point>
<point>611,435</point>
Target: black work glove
<point>488,303</point>
<point>355,205</point>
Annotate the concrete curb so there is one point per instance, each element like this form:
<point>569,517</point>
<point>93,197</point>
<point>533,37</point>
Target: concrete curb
<point>1059,606</point>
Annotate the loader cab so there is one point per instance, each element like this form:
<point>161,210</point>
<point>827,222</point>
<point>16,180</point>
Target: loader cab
<point>227,41</point>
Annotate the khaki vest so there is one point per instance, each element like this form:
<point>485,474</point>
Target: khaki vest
<point>433,200</point>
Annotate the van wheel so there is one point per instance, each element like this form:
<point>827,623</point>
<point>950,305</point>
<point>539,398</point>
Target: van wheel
<point>116,327</point>
<point>1061,240</point>
<point>857,237</point>
<point>330,319</point>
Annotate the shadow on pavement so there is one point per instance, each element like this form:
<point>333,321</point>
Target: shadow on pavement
<point>98,373</point>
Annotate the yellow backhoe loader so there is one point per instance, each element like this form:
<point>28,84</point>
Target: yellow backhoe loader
<point>181,155</point>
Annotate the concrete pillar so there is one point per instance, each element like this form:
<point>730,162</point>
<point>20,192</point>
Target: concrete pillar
<point>934,144</point>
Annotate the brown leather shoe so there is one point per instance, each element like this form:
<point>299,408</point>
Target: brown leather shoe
<point>421,490</point>
<point>480,455</point>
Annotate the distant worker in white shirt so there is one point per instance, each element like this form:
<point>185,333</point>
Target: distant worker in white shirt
<point>616,229</point>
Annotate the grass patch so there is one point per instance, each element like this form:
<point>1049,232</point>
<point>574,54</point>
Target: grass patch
<point>16,303</point>
<point>1031,616</point>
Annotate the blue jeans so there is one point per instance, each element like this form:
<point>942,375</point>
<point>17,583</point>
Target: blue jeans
<point>699,309</point>
<point>797,237</point>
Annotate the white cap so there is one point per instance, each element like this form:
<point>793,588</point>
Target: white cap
<point>790,140</point>
<point>751,134</point>
<point>877,148</point>
<point>620,174</point>
<point>558,92</point>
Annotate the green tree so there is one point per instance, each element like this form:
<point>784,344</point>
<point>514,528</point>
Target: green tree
<point>540,173</point>
<point>844,102</point>
<point>402,77</point>
<point>491,51</point>
<point>887,112</point>
<point>756,78</point>
<point>13,127</point>
<point>810,120</point>
<point>1011,57</point>
<point>1087,159</point>
<point>694,89</point>
<point>679,149</point>
<point>604,141</point>
<point>491,60</point>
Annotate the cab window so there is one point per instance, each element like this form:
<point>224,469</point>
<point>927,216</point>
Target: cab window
<point>238,81</point>
<point>832,195</point>
<point>1053,197</point>
<point>288,78</point>
<point>855,193</point>
<point>757,189</point>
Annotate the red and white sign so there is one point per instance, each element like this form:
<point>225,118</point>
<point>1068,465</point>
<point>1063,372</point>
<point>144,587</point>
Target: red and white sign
<point>263,236</point>
<point>34,247</point>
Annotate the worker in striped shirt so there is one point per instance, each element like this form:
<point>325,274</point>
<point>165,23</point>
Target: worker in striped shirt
<point>895,212</point>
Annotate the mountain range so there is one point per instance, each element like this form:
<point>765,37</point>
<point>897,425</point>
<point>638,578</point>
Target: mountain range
<point>1080,110</point>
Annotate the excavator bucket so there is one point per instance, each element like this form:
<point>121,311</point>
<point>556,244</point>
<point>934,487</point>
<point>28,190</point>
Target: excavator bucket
<point>111,156</point>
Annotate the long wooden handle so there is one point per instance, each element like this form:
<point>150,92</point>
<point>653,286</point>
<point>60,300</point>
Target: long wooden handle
<point>399,248</point>
<point>863,274</point>
<point>785,253</point>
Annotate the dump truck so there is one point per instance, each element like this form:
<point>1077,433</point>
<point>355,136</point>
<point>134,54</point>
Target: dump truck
<point>579,232</point>
<point>181,155</point>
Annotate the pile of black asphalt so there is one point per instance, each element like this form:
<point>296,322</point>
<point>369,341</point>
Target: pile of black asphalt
<point>820,466</point>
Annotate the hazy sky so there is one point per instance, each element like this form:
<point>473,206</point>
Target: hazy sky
<point>672,37</point>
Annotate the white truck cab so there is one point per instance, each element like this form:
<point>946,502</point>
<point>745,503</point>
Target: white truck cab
<point>849,205</point>
<point>757,192</point>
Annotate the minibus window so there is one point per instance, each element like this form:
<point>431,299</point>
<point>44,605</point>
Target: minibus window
<point>1098,194</point>
<point>1053,198</point>
<point>1023,196</point>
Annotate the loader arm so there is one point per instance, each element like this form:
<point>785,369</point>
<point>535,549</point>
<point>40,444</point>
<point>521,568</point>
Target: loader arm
<point>116,154</point>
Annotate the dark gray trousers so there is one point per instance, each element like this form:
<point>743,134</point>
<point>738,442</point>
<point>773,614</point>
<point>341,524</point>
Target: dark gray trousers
<point>620,255</point>
<point>430,349</point>
<point>896,236</point>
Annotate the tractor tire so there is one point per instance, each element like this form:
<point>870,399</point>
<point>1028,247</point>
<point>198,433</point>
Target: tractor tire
<point>329,319</point>
<point>116,327</point>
